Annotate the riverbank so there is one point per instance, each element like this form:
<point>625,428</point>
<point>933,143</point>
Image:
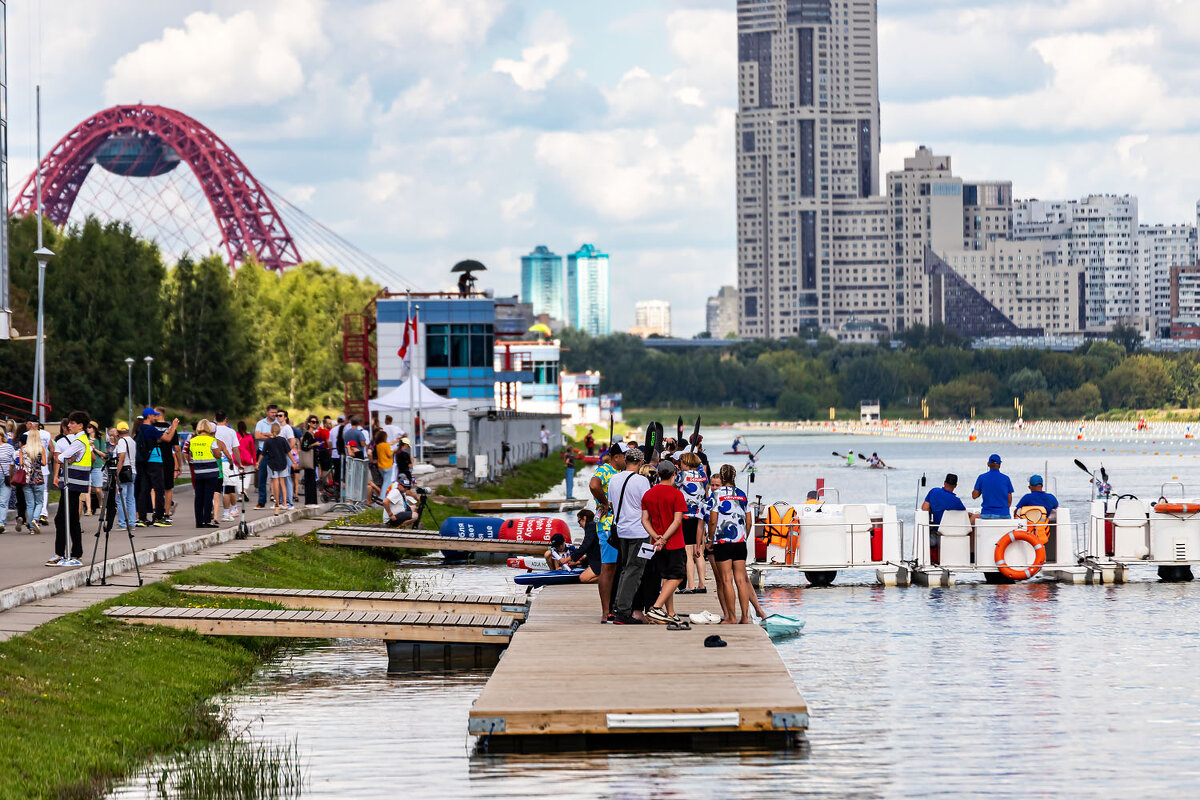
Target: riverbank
<point>85,699</point>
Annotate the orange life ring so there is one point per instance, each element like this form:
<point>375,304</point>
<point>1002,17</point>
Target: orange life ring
<point>1020,573</point>
<point>1177,508</point>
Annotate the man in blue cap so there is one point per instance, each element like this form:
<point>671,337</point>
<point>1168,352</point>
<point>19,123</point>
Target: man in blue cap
<point>150,477</point>
<point>1037,497</point>
<point>996,490</point>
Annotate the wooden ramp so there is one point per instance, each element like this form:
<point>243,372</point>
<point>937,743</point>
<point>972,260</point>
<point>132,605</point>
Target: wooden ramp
<point>410,627</point>
<point>424,540</point>
<point>527,505</point>
<point>516,606</point>
<point>741,693</point>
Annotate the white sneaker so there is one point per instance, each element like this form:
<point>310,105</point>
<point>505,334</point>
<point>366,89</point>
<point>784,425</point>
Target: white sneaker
<point>226,517</point>
<point>70,562</point>
<point>233,511</point>
<point>55,562</point>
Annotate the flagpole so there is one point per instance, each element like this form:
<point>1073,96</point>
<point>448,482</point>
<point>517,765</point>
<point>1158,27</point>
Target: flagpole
<point>418,440</point>
<point>407,325</point>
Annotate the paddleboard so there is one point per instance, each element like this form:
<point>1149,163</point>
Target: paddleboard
<point>558,577</point>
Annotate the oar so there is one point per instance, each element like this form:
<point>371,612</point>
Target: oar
<point>696,432</point>
<point>679,432</point>
<point>1082,466</point>
<point>750,461</point>
<point>610,430</point>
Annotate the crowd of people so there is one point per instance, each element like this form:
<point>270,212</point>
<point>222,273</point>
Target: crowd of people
<point>129,474</point>
<point>662,517</point>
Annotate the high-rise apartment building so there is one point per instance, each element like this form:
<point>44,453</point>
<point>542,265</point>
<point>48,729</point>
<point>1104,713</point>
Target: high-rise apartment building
<point>721,318</point>
<point>1017,278</point>
<point>587,291</point>
<point>542,282</point>
<point>1098,234</point>
<point>652,317</point>
<point>1159,249</point>
<point>807,145</point>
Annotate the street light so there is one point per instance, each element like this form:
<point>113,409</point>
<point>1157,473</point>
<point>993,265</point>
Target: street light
<point>129,367</point>
<point>43,256</point>
<point>148,360</point>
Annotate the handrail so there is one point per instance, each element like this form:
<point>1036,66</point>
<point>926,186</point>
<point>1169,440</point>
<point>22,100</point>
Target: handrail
<point>26,400</point>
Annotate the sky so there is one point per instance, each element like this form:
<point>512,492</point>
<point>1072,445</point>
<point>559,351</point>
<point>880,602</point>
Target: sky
<point>428,131</point>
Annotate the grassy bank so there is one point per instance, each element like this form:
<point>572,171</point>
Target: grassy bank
<point>85,699</point>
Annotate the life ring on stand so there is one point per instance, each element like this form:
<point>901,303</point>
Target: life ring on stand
<point>1177,508</point>
<point>1020,573</point>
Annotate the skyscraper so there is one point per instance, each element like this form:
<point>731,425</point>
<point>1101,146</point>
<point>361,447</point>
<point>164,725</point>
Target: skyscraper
<point>542,282</point>
<point>587,291</point>
<point>807,148</point>
<point>721,315</point>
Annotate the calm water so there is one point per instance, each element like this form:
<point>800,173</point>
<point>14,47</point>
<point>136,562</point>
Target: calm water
<point>1032,689</point>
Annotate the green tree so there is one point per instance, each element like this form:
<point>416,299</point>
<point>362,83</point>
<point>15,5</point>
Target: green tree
<point>210,363</point>
<point>1023,381</point>
<point>1127,336</point>
<point>869,378</point>
<point>1139,381</point>
<point>794,405</point>
<point>1079,403</point>
<point>958,397</point>
<point>1102,355</point>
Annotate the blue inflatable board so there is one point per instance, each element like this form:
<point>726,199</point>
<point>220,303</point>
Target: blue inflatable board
<point>556,577</point>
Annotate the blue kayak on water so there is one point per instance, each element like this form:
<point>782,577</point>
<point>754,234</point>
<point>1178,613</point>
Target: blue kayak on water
<point>557,577</point>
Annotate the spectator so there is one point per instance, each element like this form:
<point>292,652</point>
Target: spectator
<point>32,458</point>
<point>248,450</point>
<point>289,432</point>
<point>729,521</point>
<point>380,450</point>
<point>172,461</point>
<point>663,508</point>
<point>277,454</point>
<point>614,464</point>
<point>99,445</point>
<point>569,472</point>
<point>398,503</point>
<point>693,481</point>
<point>73,473</point>
<point>996,490</point>
<point>309,449</point>
<point>394,433</point>
<point>34,429</point>
<point>545,437</point>
<point>385,459</point>
<point>323,450</point>
<point>588,553</point>
<point>150,470</point>
<point>557,556</point>
<point>204,452</point>
<point>625,493</point>
<point>262,433</point>
<point>126,453</point>
<point>7,460</point>
<point>404,460</point>
<point>589,441</point>
<point>231,466</point>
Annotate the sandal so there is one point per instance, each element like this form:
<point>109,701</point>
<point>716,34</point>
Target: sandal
<point>680,625</point>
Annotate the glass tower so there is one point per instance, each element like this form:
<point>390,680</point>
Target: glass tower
<point>542,282</point>
<point>587,291</point>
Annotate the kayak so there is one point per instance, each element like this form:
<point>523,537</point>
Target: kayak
<point>780,626</point>
<point>526,529</point>
<point>736,453</point>
<point>558,577</point>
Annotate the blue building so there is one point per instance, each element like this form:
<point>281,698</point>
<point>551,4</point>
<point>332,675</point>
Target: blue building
<point>542,282</point>
<point>587,291</point>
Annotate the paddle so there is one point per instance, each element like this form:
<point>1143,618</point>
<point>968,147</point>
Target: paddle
<point>696,433</point>
<point>752,459</point>
<point>679,432</point>
<point>1103,474</point>
<point>658,436</point>
<point>610,430</point>
<point>1082,466</point>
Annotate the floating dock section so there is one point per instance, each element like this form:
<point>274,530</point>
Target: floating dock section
<point>527,505</point>
<point>744,696</point>
<point>516,606</point>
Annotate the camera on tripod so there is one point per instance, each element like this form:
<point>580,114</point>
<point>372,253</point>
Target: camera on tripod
<point>421,490</point>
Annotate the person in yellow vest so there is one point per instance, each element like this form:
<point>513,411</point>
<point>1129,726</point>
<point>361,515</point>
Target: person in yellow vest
<point>204,451</point>
<point>74,456</point>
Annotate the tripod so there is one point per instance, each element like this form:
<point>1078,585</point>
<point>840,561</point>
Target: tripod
<point>110,491</point>
<point>422,509</point>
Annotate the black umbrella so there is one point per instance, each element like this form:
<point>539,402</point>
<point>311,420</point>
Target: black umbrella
<point>469,265</point>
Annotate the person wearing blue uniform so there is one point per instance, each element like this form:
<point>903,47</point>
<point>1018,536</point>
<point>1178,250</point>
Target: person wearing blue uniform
<point>1037,497</point>
<point>937,503</point>
<point>996,490</point>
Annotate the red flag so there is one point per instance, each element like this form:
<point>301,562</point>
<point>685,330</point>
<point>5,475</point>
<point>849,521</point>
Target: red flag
<point>403,351</point>
<point>414,327</point>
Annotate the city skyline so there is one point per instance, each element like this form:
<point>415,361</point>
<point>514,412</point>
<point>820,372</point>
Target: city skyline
<point>435,131</point>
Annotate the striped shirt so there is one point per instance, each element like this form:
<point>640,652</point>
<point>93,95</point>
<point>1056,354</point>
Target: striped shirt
<point>6,459</point>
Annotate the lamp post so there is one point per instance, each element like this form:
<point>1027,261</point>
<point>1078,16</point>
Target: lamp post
<point>148,360</point>
<point>43,256</point>
<point>129,369</point>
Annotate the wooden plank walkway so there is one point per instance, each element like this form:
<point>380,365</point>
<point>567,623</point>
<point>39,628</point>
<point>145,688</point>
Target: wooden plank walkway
<point>409,627</point>
<point>527,505</point>
<point>516,606</point>
<point>423,540</point>
<point>744,690</point>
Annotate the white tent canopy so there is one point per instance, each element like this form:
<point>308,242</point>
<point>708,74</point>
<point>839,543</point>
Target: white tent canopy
<point>408,397</point>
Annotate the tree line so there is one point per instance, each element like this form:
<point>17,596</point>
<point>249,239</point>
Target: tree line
<point>219,341</point>
<point>802,377</point>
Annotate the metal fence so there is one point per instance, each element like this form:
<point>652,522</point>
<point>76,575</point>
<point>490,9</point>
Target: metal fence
<point>355,477</point>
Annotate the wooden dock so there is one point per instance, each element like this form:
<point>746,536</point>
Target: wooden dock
<point>482,629</point>
<point>424,540</point>
<point>516,606</point>
<point>528,505</point>
<point>744,694</point>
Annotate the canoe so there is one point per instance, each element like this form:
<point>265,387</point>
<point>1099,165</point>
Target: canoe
<point>780,626</point>
<point>558,577</point>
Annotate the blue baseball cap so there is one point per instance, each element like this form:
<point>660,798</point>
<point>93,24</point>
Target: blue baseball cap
<point>993,459</point>
<point>1035,480</point>
<point>148,411</point>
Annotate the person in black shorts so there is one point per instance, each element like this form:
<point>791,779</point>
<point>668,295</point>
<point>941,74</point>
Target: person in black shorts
<point>729,526</point>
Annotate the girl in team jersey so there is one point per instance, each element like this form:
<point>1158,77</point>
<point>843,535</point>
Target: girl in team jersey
<point>728,526</point>
<point>693,482</point>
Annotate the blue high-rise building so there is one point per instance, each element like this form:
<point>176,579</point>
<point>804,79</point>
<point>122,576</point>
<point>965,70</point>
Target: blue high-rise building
<point>542,282</point>
<point>587,291</point>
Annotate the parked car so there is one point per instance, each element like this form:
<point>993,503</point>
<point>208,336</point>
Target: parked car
<point>440,439</point>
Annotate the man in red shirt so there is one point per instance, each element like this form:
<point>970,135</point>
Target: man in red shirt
<point>663,508</point>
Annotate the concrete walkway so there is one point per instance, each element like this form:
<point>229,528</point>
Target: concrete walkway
<point>43,599</point>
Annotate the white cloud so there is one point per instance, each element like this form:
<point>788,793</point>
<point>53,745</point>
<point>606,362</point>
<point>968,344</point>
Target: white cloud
<point>517,206</point>
<point>250,58</point>
<point>541,61</point>
<point>459,23</point>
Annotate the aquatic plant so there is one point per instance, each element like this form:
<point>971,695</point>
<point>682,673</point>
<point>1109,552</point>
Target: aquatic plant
<point>230,769</point>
